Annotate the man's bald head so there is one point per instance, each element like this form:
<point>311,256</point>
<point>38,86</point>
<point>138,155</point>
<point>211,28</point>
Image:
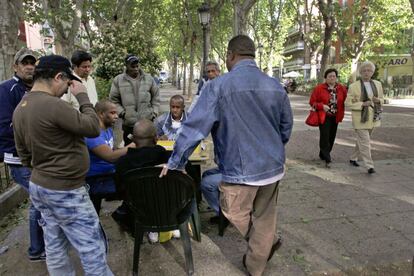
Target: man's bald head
<point>144,133</point>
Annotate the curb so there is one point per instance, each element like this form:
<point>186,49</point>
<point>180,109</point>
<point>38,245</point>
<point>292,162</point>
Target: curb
<point>11,198</point>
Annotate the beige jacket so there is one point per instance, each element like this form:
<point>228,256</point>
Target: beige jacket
<point>90,88</point>
<point>353,102</point>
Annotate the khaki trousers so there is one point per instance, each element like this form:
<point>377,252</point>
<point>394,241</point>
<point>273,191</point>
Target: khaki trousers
<point>363,147</point>
<point>252,210</point>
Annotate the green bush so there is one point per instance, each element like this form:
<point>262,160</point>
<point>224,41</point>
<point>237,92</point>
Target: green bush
<point>344,74</point>
<point>115,42</point>
<point>103,87</point>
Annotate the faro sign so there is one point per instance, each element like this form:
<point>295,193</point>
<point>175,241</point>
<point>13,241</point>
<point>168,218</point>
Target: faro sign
<point>397,61</point>
<point>387,61</point>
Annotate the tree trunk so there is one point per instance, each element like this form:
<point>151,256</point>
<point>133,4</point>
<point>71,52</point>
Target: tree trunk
<point>314,63</point>
<point>326,8</point>
<point>241,11</point>
<point>191,77</point>
<point>354,67</point>
<point>11,15</point>
<point>184,77</point>
<point>313,69</point>
<point>65,32</point>
<point>178,77</point>
<point>174,71</point>
<point>214,12</point>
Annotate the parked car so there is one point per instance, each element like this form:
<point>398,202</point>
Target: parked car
<point>163,77</point>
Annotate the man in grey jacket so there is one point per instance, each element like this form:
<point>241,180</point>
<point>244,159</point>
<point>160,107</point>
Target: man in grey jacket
<point>135,94</point>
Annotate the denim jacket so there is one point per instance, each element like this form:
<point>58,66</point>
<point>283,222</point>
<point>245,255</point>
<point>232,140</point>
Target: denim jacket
<point>250,119</point>
<point>165,127</point>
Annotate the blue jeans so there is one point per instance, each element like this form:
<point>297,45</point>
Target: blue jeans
<point>68,217</point>
<point>21,175</point>
<point>210,188</point>
<point>100,186</point>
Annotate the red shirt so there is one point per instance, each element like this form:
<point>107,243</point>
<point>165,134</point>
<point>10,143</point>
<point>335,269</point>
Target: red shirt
<point>320,96</point>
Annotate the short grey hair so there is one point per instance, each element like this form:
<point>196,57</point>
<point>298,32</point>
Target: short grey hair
<point>366,64</point>
<point>211,62</point>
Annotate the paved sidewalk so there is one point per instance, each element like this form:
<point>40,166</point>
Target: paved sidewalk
<point>338,221</point>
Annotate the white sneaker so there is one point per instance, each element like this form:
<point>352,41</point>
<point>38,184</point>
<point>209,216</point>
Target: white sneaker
<point>153,237</point>
<point>176,234</point>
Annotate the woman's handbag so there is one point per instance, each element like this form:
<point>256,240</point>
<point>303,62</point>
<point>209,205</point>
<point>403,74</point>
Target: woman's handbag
<point>313,118</point>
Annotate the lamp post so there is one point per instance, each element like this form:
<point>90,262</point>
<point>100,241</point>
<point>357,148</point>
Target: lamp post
<point>204,17</point>
<point>260,49</point>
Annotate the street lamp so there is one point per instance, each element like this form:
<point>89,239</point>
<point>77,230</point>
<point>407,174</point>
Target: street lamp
<point>260,49</point>
<point>204,17</point>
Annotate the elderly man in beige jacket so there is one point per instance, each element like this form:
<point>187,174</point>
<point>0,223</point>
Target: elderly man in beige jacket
<point>365,100</point>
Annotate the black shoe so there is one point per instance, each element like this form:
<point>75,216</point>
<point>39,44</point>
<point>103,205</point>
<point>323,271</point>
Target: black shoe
<point>38,258</point>
<point>321,157</point>
<point>328,165</point>
<point>371,170</point>
<point>222,225</point>
<point>215,220</point>
<point>354,163</point>
<point>275,247</point>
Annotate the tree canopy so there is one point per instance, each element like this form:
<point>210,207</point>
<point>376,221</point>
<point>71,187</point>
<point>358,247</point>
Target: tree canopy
<point>167,33</point>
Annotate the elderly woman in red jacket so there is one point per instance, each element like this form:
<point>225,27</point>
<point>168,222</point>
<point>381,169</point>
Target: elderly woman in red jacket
<point>328,98</point>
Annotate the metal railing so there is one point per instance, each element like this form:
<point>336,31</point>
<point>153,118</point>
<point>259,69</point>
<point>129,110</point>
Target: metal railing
<point>5,179</point>
<point>300,45</point>
<point>391,92</point>
<point>298,61</point>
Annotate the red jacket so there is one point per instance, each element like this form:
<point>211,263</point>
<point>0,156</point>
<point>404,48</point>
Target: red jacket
<point>320,96</point>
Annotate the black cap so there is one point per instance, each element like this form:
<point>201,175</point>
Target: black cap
<point>57,62</point>
<point>130,58</point>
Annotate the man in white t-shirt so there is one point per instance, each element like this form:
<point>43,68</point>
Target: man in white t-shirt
<point>82,68</point>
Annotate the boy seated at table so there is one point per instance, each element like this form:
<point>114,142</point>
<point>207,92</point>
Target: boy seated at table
<point>146,154</point>
<point>169,124</point>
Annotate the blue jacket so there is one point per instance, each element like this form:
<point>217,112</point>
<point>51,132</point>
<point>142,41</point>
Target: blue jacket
<point>164,126</point>
<point>11,92</point>
<point>250,119</point>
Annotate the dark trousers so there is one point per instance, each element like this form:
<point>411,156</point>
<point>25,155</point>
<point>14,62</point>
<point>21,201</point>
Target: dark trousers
<point>327,134</point>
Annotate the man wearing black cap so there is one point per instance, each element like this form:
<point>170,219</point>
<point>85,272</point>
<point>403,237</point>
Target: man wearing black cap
<point>11,92</point>
<point>49,137</point>
<point>250,119</point>
<point>136,95</point>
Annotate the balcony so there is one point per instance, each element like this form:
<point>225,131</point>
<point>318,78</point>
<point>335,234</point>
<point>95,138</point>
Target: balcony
<point>295,62</point>
<point>298,46</point>
<point>293,30</point>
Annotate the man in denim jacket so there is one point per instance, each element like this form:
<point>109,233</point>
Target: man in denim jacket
<point>250,119</point>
